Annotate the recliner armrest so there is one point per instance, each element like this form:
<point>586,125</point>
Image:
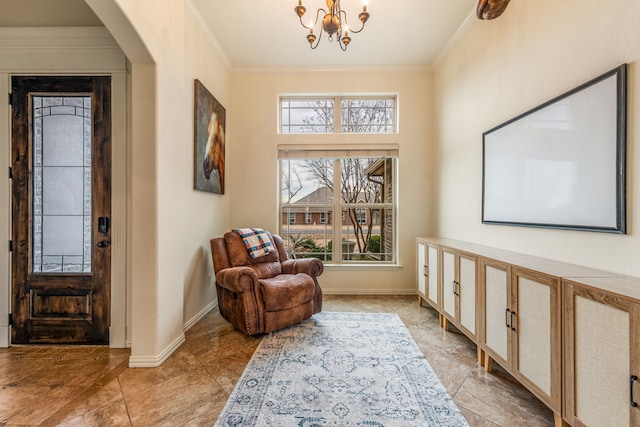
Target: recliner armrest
<point>311,266</point>
<point>237,279</point>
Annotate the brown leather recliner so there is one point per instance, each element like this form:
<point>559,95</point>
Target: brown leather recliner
<point>264,294</point>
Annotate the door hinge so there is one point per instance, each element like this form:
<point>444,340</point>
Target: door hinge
<point>10,173</point>
<point>11,99</point>
<point>10,319</point>
<point>10,245</point>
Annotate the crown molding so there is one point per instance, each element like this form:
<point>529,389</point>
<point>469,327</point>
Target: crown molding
<point>470,19</point>
<point>336,70</point>
<point>197,15</point>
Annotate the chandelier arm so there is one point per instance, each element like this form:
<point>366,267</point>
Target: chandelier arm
<point>313,46</point>
<point>342,46</point>
<point>315,21</point>
<point>351,30</point>
<point>354,31</point>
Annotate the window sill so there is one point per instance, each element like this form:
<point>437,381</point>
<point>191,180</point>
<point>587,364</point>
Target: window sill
<point>362,266</point>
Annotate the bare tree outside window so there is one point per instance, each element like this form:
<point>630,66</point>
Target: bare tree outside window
<point>367,115</point>
<point>356,189</point>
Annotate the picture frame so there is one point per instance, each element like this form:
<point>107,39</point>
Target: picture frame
<point>561,164</point>
<point>209,140</point>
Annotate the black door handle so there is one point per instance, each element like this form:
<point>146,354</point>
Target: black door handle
<point>631,381</point>
<point>103,243</point>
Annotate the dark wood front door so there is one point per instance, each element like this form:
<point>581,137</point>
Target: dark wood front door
<point>61,178</point>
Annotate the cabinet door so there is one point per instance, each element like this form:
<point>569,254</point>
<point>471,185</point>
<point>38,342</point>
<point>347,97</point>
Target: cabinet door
<point>601,354</point>
<point>422,269</point>
<point>427,279</point>
<point>449,287</point>
<point>467,293</point>
<point>537,334</point>
<point>496,295</point>
<point>432,281</point>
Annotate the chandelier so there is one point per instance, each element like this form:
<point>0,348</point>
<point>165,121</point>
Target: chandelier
<point>333,22</point>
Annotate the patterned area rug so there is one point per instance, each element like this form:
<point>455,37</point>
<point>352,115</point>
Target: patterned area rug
<point>342,370</point>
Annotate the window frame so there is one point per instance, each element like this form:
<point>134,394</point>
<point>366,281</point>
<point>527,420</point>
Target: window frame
<point>337,205</point>
<point>337,111</point>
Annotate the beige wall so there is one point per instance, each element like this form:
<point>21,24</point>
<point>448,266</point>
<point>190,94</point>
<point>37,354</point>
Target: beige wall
<point>157,191</point>
<point>170,223</point>
<point>253,178</point>
<point>205,215</point>
<point>499,69</point>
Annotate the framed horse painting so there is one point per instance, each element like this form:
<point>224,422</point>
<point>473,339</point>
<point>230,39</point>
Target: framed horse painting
<point>209,136</point>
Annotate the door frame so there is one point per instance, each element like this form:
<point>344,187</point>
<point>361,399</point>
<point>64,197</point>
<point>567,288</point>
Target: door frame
<point>94,52</point>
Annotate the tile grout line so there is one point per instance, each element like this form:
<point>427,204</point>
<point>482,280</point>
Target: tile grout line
<point>124,400</point>
<point>85,394</point>
<point>476,366</point>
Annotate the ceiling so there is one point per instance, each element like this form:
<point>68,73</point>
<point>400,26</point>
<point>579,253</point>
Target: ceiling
<point>268,34</point>
<point>260,33</point>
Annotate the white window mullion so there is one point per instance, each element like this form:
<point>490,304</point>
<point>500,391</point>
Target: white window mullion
<point>337,211</point>
<point>337,115</point>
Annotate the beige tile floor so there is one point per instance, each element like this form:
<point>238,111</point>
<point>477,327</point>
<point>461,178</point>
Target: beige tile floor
<point>92,386</point>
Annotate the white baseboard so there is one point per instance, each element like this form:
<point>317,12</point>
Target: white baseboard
<point>200,315</point>
<point>117,337</point>
<point>5,334</point>
<point>360,291</point>
<point>155,361</point>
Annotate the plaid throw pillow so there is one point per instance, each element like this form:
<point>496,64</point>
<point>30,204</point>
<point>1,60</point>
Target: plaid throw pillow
<point>256,241</point>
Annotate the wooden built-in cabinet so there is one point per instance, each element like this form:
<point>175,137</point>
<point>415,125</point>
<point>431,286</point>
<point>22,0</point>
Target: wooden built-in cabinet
<point>570,334</point>
<point>459,281</point>
<point>428,262</point>
<point>521,327</point>
<point>601,352</point>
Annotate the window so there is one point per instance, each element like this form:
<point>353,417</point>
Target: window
<point>307,218</point>
<point>367,204</point>
<point>306,115</point>
<point>368,115</point>
<point>292,217</point>
<point>365,114</point>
